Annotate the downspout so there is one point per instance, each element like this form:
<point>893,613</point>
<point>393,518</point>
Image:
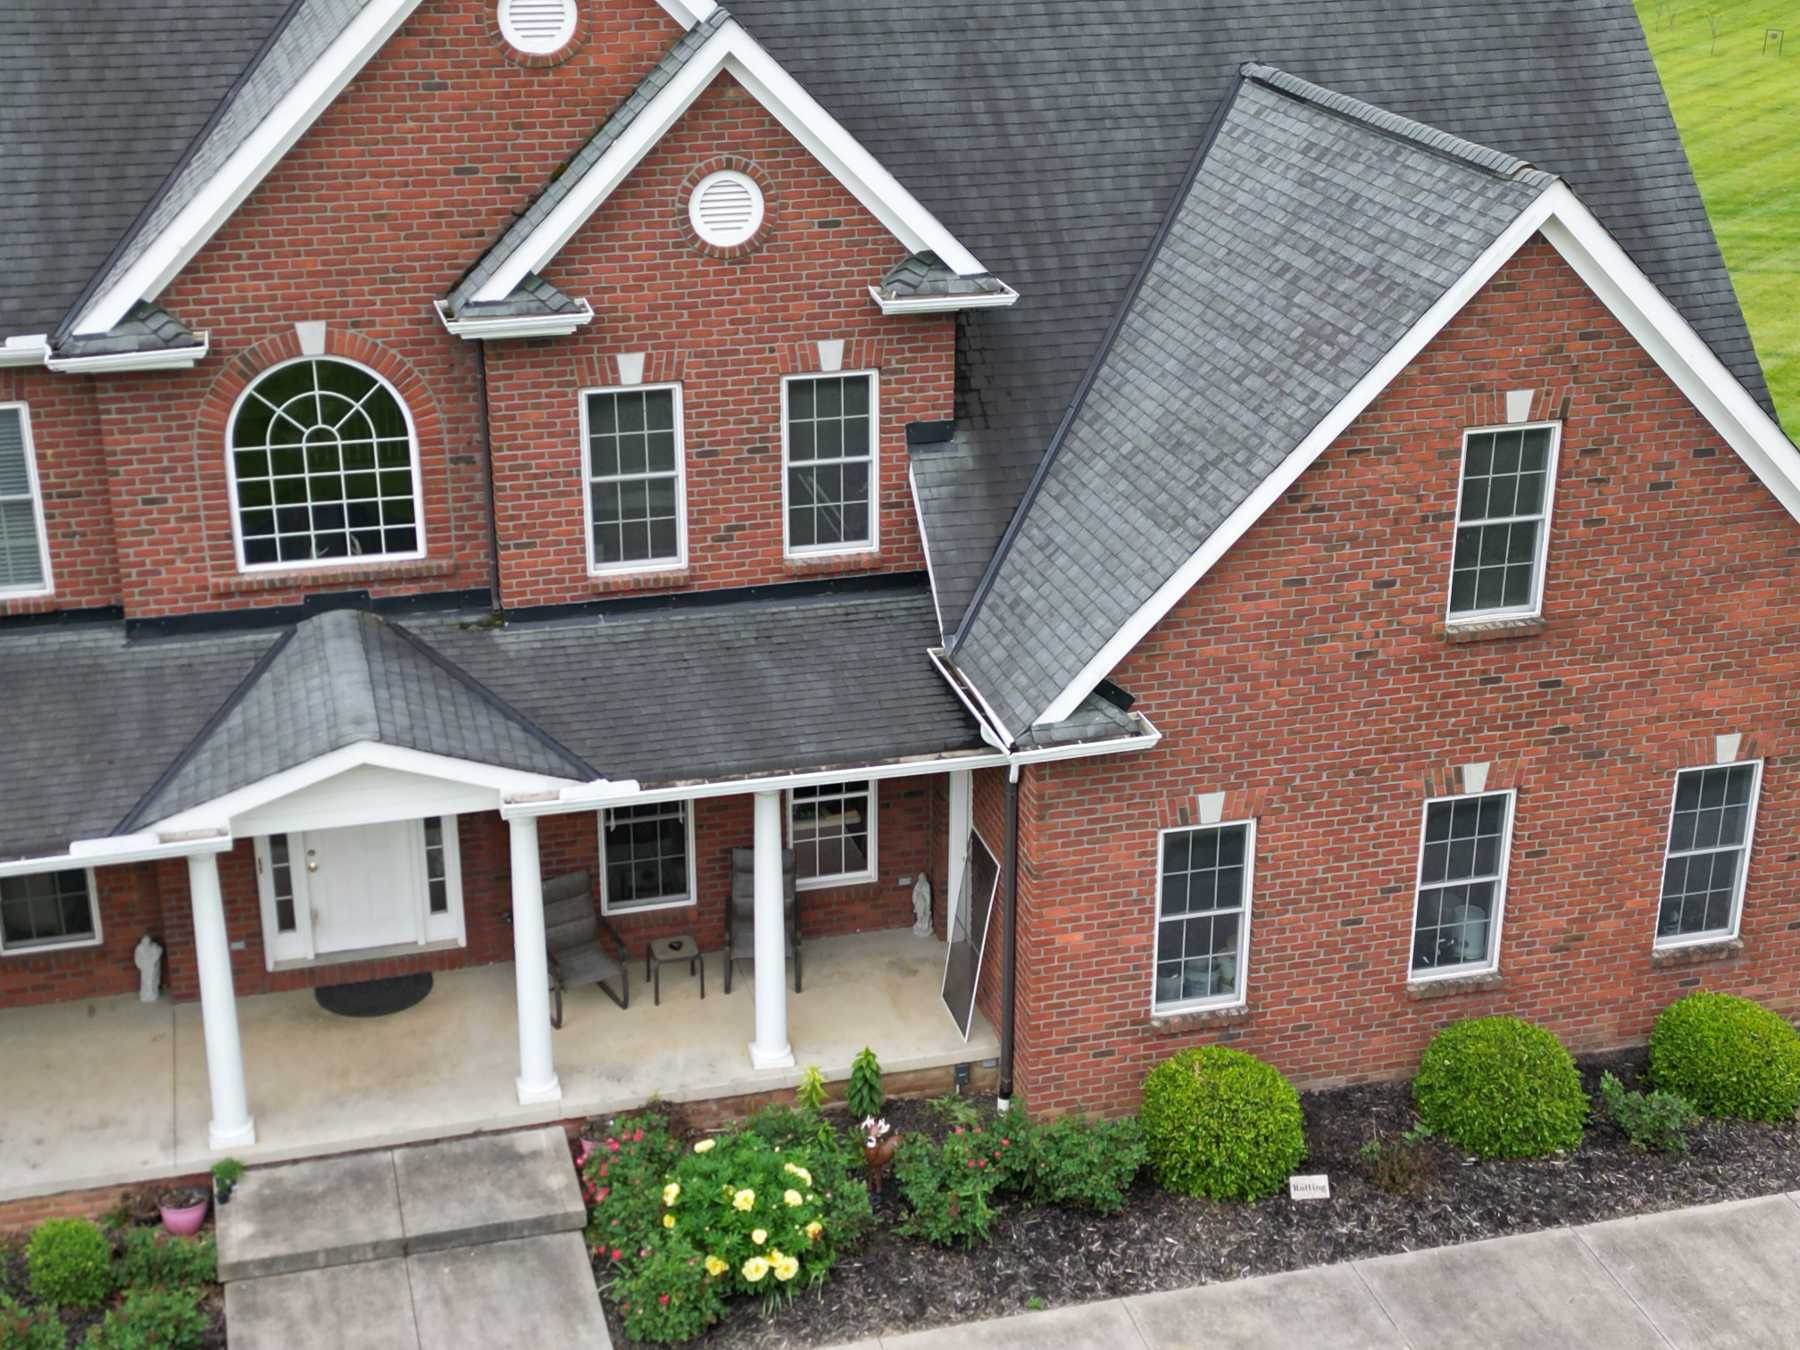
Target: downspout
<point>1009,961</point>
<point>487,477</point>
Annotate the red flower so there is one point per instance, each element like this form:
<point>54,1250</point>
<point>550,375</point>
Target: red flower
<point>1003,1143</point>
<point>971,1162</point>
<point>637,1136</point>
<point>982,1163</point>
<point>616,1253</point>
<point>602,1193</point>
<point>957,1130</point>
<point>663,1299</point>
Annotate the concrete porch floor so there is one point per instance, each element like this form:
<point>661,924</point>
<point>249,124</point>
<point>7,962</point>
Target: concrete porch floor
<point>113,1090</point>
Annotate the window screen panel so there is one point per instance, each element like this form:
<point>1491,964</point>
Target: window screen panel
<point>634,476</point>
<point>830,453</point>
<point>1500,521</point>
<point>1462,857</point>
<point>1709,842</point>
<point>1201,914</point>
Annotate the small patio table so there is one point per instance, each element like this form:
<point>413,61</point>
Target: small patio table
<point>672,951</point>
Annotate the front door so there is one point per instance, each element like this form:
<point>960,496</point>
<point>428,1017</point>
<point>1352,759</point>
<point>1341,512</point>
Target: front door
<point>365,886</point>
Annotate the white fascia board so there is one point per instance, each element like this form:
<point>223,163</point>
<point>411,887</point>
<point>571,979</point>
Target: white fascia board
<point>734,51</point>
<point>27,349</point>
<point>993,731</point>
<point>944,304</point>
<point>122,363</point>
<point>1270,490</point>
<point>517,326</point>
<point>687,13</point>
<point>119,849</point>
<point>937,610</point>
<point>246,166</point>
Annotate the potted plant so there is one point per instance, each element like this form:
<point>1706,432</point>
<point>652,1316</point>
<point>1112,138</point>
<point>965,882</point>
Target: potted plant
<point>226,1174</point>
<point>183,1209</point>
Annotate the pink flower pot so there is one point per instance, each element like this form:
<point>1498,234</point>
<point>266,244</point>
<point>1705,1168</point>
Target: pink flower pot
<point>185,1221</point>
<point>583,1153</point>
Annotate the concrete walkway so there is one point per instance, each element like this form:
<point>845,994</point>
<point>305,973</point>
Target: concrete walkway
<point>1722,1277</point>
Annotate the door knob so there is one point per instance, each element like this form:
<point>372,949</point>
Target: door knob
<point>312,860</point>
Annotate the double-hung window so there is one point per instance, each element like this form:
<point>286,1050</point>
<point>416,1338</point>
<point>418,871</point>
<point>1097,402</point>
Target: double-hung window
<point>24,554</point>
<point>1503,523</point>
<point>831,827</point>
<point>48,909</point>
<point>646,857</point>
<point>1708,852</point>
<point>636,509</point>
<point>1203,916</point>
<point>1463,848</point>
<point>828,463</point>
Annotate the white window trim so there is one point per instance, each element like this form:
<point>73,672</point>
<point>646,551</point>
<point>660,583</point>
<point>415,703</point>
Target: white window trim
<point>1217,1002</point>
<point>1536,608</point>
<point>607,906</point>
<point>36,488</point>
<point>595,567</point>
<point>870,873</point>
<point>60,945</point>
<point>1468,970</point>
<point>1663,944</point>
<point>805,551</point>
<point>325,564</point>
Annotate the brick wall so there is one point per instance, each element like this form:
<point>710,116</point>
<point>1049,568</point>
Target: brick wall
<point>130,906</point>
<point>71,468</point>
<point>1308,677</point>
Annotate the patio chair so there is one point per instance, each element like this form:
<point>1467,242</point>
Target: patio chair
<point>740,915</point>
<point>576,938</point>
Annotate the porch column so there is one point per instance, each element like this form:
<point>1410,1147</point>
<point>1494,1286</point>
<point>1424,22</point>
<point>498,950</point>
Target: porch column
<point>961,821</point>
<point>531,968</point>
<point>231,1125</point>
<point>770,1049</point>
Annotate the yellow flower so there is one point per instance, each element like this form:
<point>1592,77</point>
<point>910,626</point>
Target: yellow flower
<point>714,1266</point>
<point>760,1236</point>
<point>671,1192</point>
<point>792,1198</point>
<point>755,1268</point>
<point>804,1175</point>
<point>814,1228</point>
<point>668,1221</point>
<point>744,1200</point>
<point>706,1145</point>
<point>787,1268</point>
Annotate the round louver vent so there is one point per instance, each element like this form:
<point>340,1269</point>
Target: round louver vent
<point>726,208</point>
<point>537,26</point>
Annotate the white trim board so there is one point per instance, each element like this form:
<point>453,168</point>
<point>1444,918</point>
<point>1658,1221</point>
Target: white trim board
<point>687,13</point>
<point>1620,285</point>
<point>732,50</point>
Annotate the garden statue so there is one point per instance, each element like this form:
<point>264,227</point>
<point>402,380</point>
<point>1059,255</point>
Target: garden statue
<point>149,957</point>
<point>879,1143</point>
<point>922,906</point>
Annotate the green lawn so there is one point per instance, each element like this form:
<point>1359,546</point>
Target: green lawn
<point>1739,113</point>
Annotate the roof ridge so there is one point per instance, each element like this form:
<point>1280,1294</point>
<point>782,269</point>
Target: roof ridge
<point>1497,162</point>
<point>348,673</point>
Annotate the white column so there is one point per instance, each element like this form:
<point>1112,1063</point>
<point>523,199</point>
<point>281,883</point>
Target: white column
<point>231,1125</point>
<point>962,820</point>
<point>770,1049</point>
<point>531,967</point>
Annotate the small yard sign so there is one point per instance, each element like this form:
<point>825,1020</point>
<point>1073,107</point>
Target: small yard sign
<point>1309,1188</point>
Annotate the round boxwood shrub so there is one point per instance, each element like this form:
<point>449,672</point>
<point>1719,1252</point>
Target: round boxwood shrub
<point>1500,1088</point>
<point>70,1264</point>
<point>1728,1056</point>
<point>1221,1124</point>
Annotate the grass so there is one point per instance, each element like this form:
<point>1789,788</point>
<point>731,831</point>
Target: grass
<point>1738,108</point>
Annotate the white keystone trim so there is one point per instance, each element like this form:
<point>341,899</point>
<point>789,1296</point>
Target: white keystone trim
<point>1618,282</point>
<point>734,51</point>
<point>246,166</point>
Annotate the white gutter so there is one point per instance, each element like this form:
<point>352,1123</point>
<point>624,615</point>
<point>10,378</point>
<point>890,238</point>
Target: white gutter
<point>119,849</point>
<point>516,325</point>
<point>944,304</point>
<point>120,363</point>
<point>29,349</point>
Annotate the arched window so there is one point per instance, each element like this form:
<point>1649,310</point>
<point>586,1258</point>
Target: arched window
<point>323,467</point>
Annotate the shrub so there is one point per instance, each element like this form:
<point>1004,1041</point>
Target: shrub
<point>148,1259</point>
<point>668,1295</point>
<point>1221,1124</point>
<point>955,1110</point>
<point>811,1092</point>
<point>70,1262</point>
<point>1651,1120</point>
<point>949,1184</point>
<point>624,1178</point>
<point>39,1329</point>
<point>1727,1056</point>
<point>1399,1167</point>
<point>1500,1088</point>
<point>1071,1161</point>
<point>865,1094</point>
<point>150,1319</point>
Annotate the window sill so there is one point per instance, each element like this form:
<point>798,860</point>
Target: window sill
<point>837,883</point>
<point>1492,630</point>
<point>626,911</point>
<point>641,579</point>
<point>49,948</point>
<point>247,583</point>
<point>812,564</point>
<point>1198,1019</point>
<point>1696,953</point>
<point>1452,985</point>
<point>37,602</point>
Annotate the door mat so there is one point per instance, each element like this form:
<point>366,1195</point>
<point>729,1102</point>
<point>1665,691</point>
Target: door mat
<point>374,998</point>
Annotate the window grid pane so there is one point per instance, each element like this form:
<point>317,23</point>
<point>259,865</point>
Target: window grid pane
<point>634,476</point>
<point>1500,520</point>
<point>436,882</point>
<point>830,455</point>
<point>1462,855</point>
<point>49,907</point>
<point>21,557</point>
<point>322,459</point>
<point>646,854</point>
<point>829,830</point>
<point>281,882</point>
<point>1200,916</point>
<point>1709,835</point>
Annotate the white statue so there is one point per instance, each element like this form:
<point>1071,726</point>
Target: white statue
<point>922,906</point>
<point>149,955</point>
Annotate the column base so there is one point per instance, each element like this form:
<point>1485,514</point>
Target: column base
<point>530,1095</point>
<point>771,1059</point>
<point>220,1140</point>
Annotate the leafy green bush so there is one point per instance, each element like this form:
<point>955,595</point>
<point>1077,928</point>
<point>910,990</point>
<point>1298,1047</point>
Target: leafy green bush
<point>1501,1088</point>
<point>39,1329</point>
<point>1070,1161</point>
<point>668,1295</point>
<point>949,1184</point>
<point>1651,1120</point>
<point>864,1093</point>
<point>1399,1166</point>
<point>1221,1124</point>
<point>1727,1056</point>
<point>623,1179</point>
<point>150,1319</point>
<point>151,1260</point>
<point>811,1092</point>
<point>70,1262</point>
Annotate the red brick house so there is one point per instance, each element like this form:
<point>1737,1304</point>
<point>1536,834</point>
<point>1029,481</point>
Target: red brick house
<point>1280,553</point>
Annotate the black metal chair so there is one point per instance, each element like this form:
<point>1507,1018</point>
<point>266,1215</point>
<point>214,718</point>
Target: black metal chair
<point>740,915</point>
<point>576,938</point>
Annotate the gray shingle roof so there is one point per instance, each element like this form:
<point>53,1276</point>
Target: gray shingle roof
<point>1316,232</point>
<point>921,275</point>
<point>531,298</point>
<point>146,327</point>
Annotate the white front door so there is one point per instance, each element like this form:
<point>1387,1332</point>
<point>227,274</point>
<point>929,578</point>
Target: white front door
<point>365,885</point>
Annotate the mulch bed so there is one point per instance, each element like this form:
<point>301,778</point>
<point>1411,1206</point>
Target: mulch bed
<point>15,1281</point>
<point>1046,1257</point>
